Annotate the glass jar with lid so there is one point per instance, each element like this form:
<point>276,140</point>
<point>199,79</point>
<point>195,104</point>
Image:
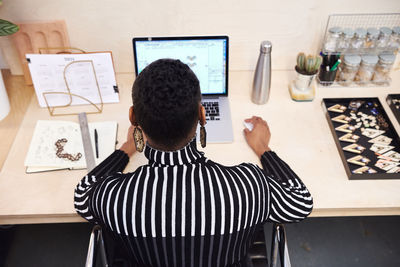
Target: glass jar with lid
<point>394,41</point>
<point>345,39</point>
<point>372,37</point>
<point>382,69</point>
<point>348,69</point>
<point>332,39</point>
<point>358,41</point>
<point>367,68</point>
<point>384,36</point>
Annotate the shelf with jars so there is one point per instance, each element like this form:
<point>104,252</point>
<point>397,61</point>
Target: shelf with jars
<point>359,49</point>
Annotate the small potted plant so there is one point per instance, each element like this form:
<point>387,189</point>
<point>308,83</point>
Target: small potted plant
<point>6,28</point>
<point>306,68</point>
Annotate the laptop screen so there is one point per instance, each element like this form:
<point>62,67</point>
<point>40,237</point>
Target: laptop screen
<point>206,56</point>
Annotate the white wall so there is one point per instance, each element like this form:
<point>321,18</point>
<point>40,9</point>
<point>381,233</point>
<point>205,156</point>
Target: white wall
<point>292,26</point>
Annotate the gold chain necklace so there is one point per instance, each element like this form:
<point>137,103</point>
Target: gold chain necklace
<point>60,148</point>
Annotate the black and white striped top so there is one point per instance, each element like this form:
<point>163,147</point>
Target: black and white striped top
<point>182,209</point>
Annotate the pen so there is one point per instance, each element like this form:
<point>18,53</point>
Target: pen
<point>335,65</point>
<point>96,143</point>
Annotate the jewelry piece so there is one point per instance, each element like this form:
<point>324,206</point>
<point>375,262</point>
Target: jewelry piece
<point>396,103</point>
<point>354,148</point>
<point>203,136</point>
<point>382,122</point>
<point>394,170</point>
<point>337,108</point>
<point>346,128</point>
<point>372,133</point>
<point>380,149</point>
<point>383,140</point>
<point>359,160</point>
<point>364,169</point>
<point>368,104</point>
<point>355,105</point>
<point>391,155</point>
<point>350,138</point>
<point>138,139</point>
<point>386,164</point>
<point>60,148</point>
<point>342,118</point>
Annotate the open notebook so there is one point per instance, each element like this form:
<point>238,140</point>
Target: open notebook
<point>49,140</point>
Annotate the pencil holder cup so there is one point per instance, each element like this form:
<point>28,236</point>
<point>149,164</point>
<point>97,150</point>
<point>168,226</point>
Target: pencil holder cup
<point>326,78</point>
<point>302,88</point>
<point>303,82</point>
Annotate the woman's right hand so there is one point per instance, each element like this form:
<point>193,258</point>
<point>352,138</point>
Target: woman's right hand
<point>258,138</point>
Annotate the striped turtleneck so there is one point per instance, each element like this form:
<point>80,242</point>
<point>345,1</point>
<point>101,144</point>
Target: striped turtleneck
<point>182,209</point>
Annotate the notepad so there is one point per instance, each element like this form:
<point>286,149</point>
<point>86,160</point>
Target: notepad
<point>49,140</point>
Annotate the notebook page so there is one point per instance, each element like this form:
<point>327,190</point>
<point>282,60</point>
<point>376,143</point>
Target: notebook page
<point>42,149</point>
<point>107,135</point>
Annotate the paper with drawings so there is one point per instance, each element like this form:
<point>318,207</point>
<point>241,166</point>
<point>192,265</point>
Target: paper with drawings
<point>47,71</point>
<point>42,150</point>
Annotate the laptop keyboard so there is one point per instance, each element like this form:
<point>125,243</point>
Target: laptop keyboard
<point>212,110</point>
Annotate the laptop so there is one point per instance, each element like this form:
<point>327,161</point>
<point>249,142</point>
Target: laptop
<point>208,57</point>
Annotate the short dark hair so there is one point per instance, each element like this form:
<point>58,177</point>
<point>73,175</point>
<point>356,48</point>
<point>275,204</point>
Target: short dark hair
<point>166,96</point>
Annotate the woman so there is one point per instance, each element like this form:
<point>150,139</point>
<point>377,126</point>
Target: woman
<point>182,209</point>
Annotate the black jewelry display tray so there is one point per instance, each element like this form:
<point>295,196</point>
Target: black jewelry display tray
<point>395,107</point>
<point>363,140</point>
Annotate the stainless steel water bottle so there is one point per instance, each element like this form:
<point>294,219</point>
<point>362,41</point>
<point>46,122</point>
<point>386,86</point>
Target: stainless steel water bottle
<point>262,75</point>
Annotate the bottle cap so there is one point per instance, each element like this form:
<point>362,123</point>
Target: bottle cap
<point>396,30</point>
<point>353,60</point>
<point>387,58</point>
<point>335,30</point>
<point>361,32</point>
<point>266,47</point>
<point>348,32</point>
<point>385,30</point>
<point>369,59</point>
<point>374,32</point>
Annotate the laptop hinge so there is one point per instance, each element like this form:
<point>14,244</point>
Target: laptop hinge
<point>206,97</point>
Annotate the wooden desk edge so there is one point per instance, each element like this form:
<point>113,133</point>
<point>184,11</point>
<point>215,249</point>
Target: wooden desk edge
<point>338,212</point>
<point>75,218</point>
<point>43,218</point>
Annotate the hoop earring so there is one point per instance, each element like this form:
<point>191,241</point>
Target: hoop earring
<point>138,139</point>
<point>203,136</point>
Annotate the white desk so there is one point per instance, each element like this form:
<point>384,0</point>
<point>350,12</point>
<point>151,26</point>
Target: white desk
<point>300,135</point>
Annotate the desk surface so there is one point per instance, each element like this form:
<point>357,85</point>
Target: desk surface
<point>20,96</point>
<point>300,135</point>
